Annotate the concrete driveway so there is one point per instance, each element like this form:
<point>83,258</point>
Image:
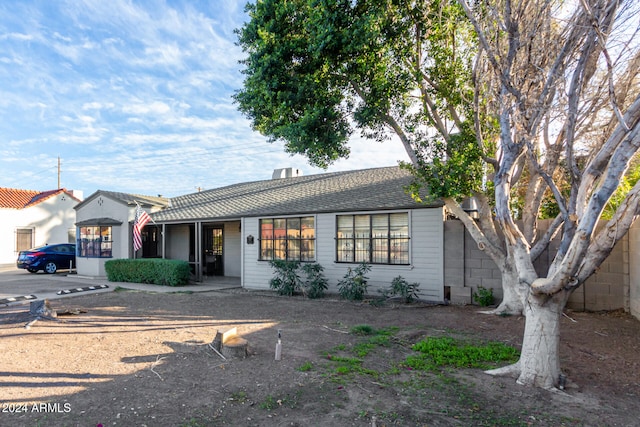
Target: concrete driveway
<point>17,285</point>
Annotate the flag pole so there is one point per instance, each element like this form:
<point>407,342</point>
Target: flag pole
<point>140,220</point>
<point>140,207</point>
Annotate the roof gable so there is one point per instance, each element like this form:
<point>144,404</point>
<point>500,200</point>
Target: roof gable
<point>127,199</point>
<point>13,198</point>
<point>360,190</point>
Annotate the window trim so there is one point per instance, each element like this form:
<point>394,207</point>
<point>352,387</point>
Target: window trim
<point>80,249</point>
<point>287,239</point>
<point>371,239</point>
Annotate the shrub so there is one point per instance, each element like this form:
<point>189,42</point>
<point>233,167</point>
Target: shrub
<point>353,286</point>
<point>403,289</point>
<point>315,283</point>
<point>286,280</point>
<point>484,296</point>
<point>166,272</point>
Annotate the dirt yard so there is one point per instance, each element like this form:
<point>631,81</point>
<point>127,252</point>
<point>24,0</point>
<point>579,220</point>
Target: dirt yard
<point>144,359</point>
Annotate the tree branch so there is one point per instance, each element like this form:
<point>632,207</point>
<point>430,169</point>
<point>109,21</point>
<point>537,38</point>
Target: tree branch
<point>484,244</point>
<point>391,122</point>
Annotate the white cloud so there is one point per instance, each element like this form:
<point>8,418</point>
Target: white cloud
<point>134,97</point>
<point>154,107</point>
<point>16,36</point>
<point>97,105</point>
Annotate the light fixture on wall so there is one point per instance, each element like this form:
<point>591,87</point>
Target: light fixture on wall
<point>250,239</point>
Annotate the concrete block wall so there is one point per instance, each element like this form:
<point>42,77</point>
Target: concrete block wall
<point>608,287</point>
<point>467,268</point>
<point>634,270</point>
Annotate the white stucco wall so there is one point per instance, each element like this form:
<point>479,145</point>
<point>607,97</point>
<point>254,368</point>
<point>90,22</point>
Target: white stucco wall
<point>51,221</point>
<point>426,256</point>
<point>105,207</point>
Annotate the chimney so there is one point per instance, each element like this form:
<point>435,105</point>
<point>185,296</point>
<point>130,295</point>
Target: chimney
<point>286,173</point>
<point>78,194</point>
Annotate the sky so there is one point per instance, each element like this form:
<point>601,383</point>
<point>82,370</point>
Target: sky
<point>136,97</point>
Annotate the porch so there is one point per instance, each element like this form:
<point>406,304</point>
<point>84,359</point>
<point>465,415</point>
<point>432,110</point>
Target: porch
<point>218,283</point>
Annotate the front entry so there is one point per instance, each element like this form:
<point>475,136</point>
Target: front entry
<point>213,247</point>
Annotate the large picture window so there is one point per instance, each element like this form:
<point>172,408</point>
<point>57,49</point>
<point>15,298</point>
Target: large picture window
<point>291,239</point>
<point>374,239</point>
<point>95,242</point>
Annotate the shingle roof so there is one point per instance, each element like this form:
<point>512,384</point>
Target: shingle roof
<point>360,190</point>
<point>19,199</point>
<point>127,199</point>
<point>139,198</point>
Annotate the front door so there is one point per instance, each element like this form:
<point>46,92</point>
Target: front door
<point>213,247</point>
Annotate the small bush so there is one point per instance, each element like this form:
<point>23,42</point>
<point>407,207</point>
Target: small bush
<point>315,283</point>
<point>484,296</point>
<point>166,272</point>
<point>403,289</point>
<point>286,279</point>
<point>353,286</point>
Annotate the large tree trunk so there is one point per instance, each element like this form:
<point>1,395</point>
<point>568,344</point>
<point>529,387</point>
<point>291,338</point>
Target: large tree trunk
<point>513,294</point>
<point>540,358</point>
<point>539,363</point>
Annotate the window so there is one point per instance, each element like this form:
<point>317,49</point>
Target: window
<point>290,239</point>
<point>24,239</point>
<point>374,239</point>
<point>95,241</point>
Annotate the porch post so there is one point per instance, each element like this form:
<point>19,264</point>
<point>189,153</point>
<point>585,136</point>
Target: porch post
<point>198,249</point>
<point>163,246</point>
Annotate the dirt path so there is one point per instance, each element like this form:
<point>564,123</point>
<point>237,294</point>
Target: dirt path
<point>143,359</point>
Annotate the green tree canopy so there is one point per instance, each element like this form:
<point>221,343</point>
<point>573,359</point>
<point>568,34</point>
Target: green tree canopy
<point>319,70</point>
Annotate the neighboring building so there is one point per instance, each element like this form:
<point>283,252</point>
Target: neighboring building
<point>104,229</point>
<point>34,218</point>
<point>335,219</point>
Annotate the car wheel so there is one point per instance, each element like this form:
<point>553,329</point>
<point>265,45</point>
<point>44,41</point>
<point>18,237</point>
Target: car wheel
<point>32,270</point>
<point>50,267</point>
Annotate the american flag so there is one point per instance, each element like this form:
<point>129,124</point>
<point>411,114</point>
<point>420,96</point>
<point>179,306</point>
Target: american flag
<point>141,219</point>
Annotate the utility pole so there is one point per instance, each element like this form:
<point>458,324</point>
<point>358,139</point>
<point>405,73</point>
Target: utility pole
<point>58,172</point>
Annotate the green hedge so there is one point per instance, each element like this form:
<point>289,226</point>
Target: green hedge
<point>167,272</point>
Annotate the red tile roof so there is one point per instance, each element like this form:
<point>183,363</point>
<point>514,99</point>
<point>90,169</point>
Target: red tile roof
<point>19,199</point>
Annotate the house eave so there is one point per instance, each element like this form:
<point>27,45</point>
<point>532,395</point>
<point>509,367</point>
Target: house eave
<point>98,222</point>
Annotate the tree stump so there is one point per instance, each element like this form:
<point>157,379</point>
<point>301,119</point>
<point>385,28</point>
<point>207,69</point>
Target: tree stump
<point>42,309</point>
<point>229,344</point>
<point>235,347</point>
